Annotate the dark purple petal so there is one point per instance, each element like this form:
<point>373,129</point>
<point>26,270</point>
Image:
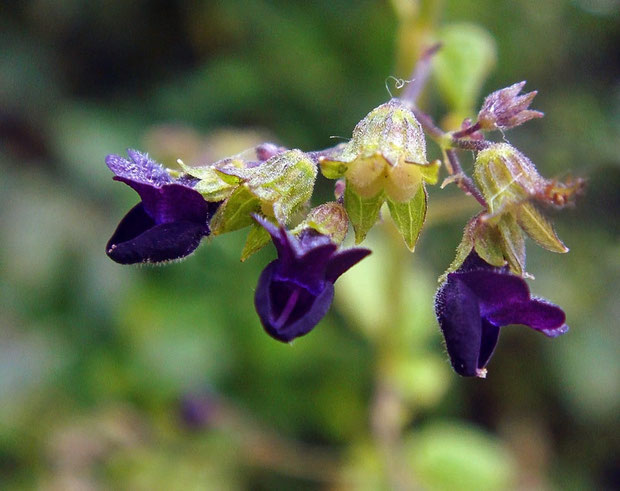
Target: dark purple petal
<point>286,309</point>
<point>494,290</point>
<point>458,314</point>
<point>342,261</point>
<point>537,314</point>
<point>138,168</point>
<point>281,239</point>
<point>138,239</point>
<point>170,202</point>
<point>488,342</point>
<point>476,301</point>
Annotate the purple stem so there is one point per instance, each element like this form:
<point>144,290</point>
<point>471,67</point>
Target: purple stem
<point>467,131</point>
<point>464,181</point>
<point>420,75</point>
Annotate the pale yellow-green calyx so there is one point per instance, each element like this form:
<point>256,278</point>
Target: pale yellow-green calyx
<point>387,152</point>
<point>510,183</point>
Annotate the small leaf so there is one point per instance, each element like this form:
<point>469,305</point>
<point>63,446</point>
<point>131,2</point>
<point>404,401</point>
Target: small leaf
<point>409,216</point>
<point>462,64</point>
<point>539,229</point>
<point>235,212</point>
<point>363,212</point>
<point>258,237</point>
<point>332,169</point>
<point>513,243</point>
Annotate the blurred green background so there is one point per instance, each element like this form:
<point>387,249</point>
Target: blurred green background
<point>97,360</point>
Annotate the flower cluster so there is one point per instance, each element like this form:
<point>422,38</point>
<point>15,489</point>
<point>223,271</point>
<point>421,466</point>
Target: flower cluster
<point>384,163</point>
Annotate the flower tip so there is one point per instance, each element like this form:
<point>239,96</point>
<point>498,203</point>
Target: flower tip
<point>481,372</point>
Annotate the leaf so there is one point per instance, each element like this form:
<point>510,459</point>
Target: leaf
<point>363,212</point>
<point>462,64</point>
<point>235,212</point>
<point>539,229</point>
<point>258,237</point>
<point>409,217</point>
<point>513,243</point>
<point>457,456</point>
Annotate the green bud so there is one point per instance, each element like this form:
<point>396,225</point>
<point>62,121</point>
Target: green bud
<point>506,177</point>
<point>509,182</point>
<point>329,219</point>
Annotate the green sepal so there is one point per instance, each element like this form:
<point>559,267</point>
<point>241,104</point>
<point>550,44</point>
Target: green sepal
<point>235,212</point>
<point>488,245</point>
<point>332,169</point>
<point>430,172</point>
<point>363,212</point>
<point>211,184</point>
<point>462,64</point>
<point>258,237</point>
<point>409,216</point>
<point>539,229</point>
<point>283,183</point>
<point>513,243</point>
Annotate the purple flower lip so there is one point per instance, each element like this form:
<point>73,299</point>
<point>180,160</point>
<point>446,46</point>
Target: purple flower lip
<point>167,224</point>
<point>478,299</point>
<point>296,290</point>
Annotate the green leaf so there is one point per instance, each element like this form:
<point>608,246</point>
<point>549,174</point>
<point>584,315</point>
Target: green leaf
<point>455,456</point>
<point>539,229</point>
<point>409,216</point>
<point>235,212</point>
<point>363,212</point>
<point>462,64</point>
<point>513,243</point>
<point>258,237</point>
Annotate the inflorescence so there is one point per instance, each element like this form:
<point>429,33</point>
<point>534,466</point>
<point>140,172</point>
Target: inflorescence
<point>383,163</point>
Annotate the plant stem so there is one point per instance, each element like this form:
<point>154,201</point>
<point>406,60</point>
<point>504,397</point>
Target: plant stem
<point>463,180</point>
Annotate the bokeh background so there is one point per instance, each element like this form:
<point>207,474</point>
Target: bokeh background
<point>162,378</point>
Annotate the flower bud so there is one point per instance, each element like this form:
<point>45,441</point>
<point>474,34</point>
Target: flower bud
<point>505,109</point>
<point>329,219</point>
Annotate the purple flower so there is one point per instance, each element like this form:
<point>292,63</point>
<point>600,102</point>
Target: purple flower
<point>478,299</point>
<point>295,291</point>
<point>167,224</point>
